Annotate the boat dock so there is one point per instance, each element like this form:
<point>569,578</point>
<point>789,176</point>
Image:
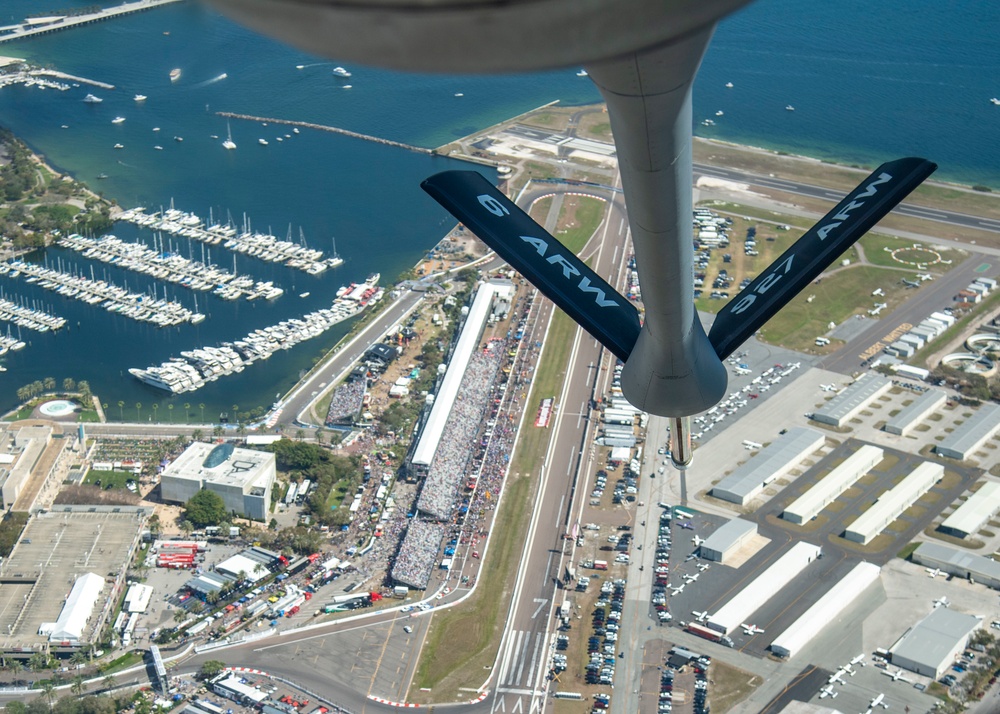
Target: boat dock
<point>332,129</point>
<point>112,298</point>
<point>31,319</point>
<point>69,78</point>
<point>54,23</point>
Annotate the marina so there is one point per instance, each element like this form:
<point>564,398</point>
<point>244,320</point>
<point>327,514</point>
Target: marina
<point>262,246</point>
<point>143,308</point>
<point>194,368</point>
<point>29,318</point>
<point>169,265</point>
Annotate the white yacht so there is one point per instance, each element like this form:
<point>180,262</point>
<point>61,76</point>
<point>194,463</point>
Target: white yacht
<point>341,72</point>
<point>229,143</point>
<point>139,97</point>
<point>262,142</point>
<point>92,99</point>
<point>118,120</point>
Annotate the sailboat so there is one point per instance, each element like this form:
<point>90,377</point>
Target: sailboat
<point>229,143</point>
<point>335,259</point>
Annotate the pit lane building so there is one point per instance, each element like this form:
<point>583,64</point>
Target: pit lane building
<point>828,489</point>
<point>910,416</point>
<point>826,610</point>
<point>727,540</point>
<point>930,647</point>
<point>959,563</point>
<point>243,478</point>
<point>774,461</point>
<point>893,502</point>
<point>972,434</point>
<point>843,407</point>
<point>971,515</point>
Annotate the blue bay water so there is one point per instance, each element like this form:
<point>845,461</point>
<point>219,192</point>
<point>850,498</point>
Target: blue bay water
<point>897,81</point>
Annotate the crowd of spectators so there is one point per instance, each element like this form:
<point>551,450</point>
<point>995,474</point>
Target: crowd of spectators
<point>346,403</point>
<point>418,553</point>
<point>449,467</point>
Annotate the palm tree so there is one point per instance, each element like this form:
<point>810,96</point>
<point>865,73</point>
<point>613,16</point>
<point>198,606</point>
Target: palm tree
<point>217,431</point>
<point>170,412</point>
<point>156,408</point>
<point>78,658</point>
<point>196,435</point>
<point>187,411</point>
<point>69,384</point>
<point>48,688</point>
<point>109,682</point>
<point>49,383</point>
<point>121,409</point>
<point>138,411</point>
<point>78,686</point>
<point>202,407</point>
<point>300,434</point>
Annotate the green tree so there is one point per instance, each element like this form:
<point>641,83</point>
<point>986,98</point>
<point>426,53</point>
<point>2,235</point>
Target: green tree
<point>170,412</point>
<point>15,707</point>
<point>78,658</point>
<point>83,387</point>
<point>202,407</point>
<point>205,508</point>
<point>186,526</point>
<point>196,435</point>
<point>156,409</point>
<point>69,384</point>
<point>211,668</point>
<point>49,383</point>
<point>48,689</point>
<point>217,430</point>
<point>109,682</point>
<point>78,686</point>
<point>138,411</point>
<point>121,409</point>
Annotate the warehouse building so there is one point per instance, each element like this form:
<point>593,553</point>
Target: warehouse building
<point>727,540</point>
<point>931,646</point>
<point>768,584</point>
<point>972,434</point>
<point>826,610</point>
<point>893,502</point>
<point>829,488</point>
<point>777,459</point>
<point>843,407</point>
<point>241,477</point>
<point>911,415</point>
<point>971,515</point>
<point>959,563</point>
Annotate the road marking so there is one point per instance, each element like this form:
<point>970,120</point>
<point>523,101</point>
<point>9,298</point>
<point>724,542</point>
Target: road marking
<point>534,656</point>
<point>523,657</point>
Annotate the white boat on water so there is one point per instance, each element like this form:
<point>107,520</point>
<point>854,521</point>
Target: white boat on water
<point>789,108</point>
<point>305,294</point>
<point>262,142</point>
<point>341,72</point>
<point>729,85</point>
<point>175,74</point>
<point>995,101</point>
<point>158,147</point>
<point>718,113</point>
<point>295,130</point>
<point>118,120</point>
<point>582,73</point>
<point>92,99</point>
<point>229,143</point>
<point>119,146</point>
<point>139,97</point>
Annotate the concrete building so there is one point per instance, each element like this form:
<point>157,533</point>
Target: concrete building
<point>768,584</point>
<point>777,459</point>
<point>828,488</point>
<point>826,610</point>
<point>29,443</point>
<point>972,434</point>
<point>921,408</point>
<point>930,647</point>
<point>971,515</point>
<point>727,539</point>
<point>960,563</point>
<point>893,502</point>
<point>843,407</point>
<point>242,477</point>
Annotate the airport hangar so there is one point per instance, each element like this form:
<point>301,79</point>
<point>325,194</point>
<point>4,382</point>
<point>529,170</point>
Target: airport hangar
<point>971,515</point>
<point>828,489</point>
<point>774,461</point>
<point>727,540</point>
<point>972,434</point>
<point>843,407</point>
<point>243,478</point>
<point>958,562</point>
<point>911,415</point>
<point>64,576</point>
<point>891,504</point>
<point>930,647</point>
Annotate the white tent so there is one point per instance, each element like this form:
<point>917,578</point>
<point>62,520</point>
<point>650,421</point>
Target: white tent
<point>78,608</point>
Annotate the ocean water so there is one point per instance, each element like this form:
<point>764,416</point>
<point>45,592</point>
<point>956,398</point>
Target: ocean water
<point>867,83</point>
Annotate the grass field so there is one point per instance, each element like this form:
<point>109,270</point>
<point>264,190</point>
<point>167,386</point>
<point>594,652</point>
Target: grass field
<point>109,479</point>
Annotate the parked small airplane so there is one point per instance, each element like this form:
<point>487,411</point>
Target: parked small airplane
<point>828,387</point>
<point>877,292</point>
<point>837,676</point>
<point>924,276</point>
<point>860,659</point>
<point>697,540</point>
<point>941,601</point>
<point>691,578</point>
<point>897,675</point>
<point>751,445</point>
<point>752,630</point>
<point>933,572</point>
<point>911,283</point>
<point>686,524</point>
<point>703,567</point>
<point>678,590</point>
<point>879,700</point>
<point>702,616</point>
<point>828,691</point>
